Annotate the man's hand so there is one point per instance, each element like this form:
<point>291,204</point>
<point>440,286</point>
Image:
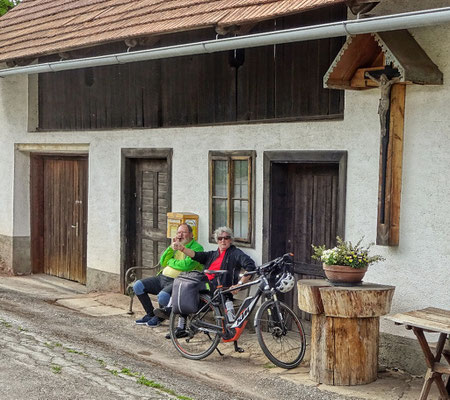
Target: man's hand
<point>176,245</point>
<point>176,240</point>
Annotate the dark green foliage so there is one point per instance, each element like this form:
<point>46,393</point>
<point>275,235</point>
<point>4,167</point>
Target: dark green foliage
<point>345,253</point>
<point>6,5</point>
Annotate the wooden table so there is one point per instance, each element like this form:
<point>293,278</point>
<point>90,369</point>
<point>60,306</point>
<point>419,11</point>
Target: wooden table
<point>345,329</point>
<point>430,320</point>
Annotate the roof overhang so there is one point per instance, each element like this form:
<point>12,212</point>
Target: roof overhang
<point>372,52</point>
<point>343,28</point>
<point>37,28</point>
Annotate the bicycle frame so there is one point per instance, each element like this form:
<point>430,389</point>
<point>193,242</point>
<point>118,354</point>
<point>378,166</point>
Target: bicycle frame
<point>279,331</point>
<point>231,330</point>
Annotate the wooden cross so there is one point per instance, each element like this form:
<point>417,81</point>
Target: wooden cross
<point>392,113</point>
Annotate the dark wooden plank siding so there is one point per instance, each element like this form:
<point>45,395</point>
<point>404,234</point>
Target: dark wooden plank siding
<point>196,90</point>
<point>300,68</point>
<point>256,79</point>
<point>282,82</point>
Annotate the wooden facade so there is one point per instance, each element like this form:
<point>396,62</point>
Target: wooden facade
<point>147,195</point>
<point>272,83</point>
<point>304,204</point>
<point>59,215</point>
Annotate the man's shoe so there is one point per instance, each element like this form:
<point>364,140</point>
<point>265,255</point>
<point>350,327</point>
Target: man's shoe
<point>153,322</point>
<point>144,320</point>
<point>179,333</point>
<point>163,312</point>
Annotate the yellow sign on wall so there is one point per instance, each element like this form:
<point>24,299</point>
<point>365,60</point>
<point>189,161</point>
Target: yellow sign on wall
<point>176,218</point>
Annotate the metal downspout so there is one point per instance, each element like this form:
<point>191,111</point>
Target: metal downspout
<point>351,27</point>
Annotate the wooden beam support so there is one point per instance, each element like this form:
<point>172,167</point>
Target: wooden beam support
<point>389,196</point>
<point>360,80</point>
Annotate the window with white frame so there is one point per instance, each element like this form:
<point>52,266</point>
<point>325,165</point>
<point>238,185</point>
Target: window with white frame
<point>231,193</point>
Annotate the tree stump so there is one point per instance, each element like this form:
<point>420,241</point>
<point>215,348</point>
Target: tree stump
<point>345,330</point>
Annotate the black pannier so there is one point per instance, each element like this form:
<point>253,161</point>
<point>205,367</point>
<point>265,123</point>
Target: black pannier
<point>186,292</point>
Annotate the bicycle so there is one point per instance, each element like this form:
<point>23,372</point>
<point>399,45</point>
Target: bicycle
<point>279,331</point>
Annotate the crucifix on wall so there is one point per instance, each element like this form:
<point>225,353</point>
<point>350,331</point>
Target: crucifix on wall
<point>391,109</point>
<point>387,61</point>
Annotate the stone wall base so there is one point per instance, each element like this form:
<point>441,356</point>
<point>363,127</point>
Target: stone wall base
<point>101,281</point>
<point>402,353</point>
<point>15,255</point>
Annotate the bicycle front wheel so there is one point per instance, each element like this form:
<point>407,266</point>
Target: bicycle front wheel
<point>197,341</point>
<point>281,339</point>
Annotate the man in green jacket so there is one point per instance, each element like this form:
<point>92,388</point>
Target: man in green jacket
<point>173,262</point>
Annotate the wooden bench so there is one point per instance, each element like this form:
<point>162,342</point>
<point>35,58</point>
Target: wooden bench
<point>131,276</point>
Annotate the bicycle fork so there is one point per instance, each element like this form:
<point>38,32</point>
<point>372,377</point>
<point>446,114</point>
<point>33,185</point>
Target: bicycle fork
<point>279,316</point>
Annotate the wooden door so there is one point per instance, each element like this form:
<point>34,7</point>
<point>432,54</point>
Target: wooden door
<point>59,216</point>
<point>148,204</point>
<point>304,212</point>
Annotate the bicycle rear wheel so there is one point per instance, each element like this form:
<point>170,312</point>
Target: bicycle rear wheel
<point>199,342</point>
<point>282,341</point>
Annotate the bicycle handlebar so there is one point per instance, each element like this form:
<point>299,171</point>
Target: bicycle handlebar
<point>288,257</point>
<point>268,266</point>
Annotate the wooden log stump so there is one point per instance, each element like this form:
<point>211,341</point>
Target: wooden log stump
<point>344,351</point>
<point>366,300</point>
<point>309,298</point>
<point>345,329</point>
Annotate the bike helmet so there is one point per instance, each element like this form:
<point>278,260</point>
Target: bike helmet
<point>284,282</point>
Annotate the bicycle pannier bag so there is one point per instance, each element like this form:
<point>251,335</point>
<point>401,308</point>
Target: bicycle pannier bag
<point>186,292</point>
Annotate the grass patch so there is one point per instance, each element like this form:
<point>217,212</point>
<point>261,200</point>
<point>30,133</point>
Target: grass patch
<point>5,324</point>
<point>269,365</point>
<point>56,369</point>
<point>126,371</point>
<point>142,380</point>
<point>73,351</point>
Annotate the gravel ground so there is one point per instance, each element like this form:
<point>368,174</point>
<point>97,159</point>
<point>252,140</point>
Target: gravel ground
<point>50,352</point>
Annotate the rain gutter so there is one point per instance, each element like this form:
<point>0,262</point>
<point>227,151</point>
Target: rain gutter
<point>392,22</point>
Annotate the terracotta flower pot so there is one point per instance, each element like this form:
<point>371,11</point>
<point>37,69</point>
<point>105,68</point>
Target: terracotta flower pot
<point>343,274</point>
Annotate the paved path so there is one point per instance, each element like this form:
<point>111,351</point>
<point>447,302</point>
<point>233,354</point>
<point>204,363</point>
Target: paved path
<point>53,346</point>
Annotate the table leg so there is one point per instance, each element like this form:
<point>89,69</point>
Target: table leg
<point>430,360</point>
<point>446,354</point>
<point>426,385</point>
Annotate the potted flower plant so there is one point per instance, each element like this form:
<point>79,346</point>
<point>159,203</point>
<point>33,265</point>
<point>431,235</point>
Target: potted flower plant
<point>345,263</point>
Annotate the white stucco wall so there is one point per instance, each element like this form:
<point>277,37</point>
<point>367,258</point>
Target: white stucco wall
<point>13,111</point>
<point>417,267</point>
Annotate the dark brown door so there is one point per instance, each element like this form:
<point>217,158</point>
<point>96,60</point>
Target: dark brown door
<point>59,216</point>
<point>149,202</point>
<point>304,212</point>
